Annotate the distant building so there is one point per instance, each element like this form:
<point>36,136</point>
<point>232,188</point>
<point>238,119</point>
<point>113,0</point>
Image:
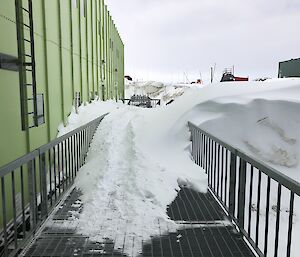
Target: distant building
<point>128,78</point>
<point>290,68</point>
<point>229,76</point>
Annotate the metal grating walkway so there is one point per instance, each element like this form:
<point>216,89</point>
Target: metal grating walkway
<point>207,232</point>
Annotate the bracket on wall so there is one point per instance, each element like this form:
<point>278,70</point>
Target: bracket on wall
<point>8,62</point>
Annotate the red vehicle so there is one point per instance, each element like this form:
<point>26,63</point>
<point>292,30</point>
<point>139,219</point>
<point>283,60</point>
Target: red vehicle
<point>228,76</point>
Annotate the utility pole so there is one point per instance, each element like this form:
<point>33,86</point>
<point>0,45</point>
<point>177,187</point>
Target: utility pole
<point>212,73</point>
<point>187,79</point>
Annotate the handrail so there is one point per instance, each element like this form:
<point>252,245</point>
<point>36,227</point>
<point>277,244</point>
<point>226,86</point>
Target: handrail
<point>244,186</point>
<point>55,141</point>
<point>4,170</point>
<point>283,179</point>
<point>42,176</point>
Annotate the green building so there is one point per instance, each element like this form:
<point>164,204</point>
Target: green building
<point>290,68</point>
<point>54,54</point>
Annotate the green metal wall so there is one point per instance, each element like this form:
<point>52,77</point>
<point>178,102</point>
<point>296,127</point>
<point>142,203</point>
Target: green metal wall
<point>289,68</point>
<point>71,40</point>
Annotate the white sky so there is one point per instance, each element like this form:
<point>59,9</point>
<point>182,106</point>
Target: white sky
<point>166,38</point>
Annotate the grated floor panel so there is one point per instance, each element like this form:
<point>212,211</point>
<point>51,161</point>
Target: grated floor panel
<point>206,233</point>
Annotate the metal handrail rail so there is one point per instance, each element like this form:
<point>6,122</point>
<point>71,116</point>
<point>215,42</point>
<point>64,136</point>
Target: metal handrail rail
<point>231,180</point>
<point>55,141</point>
<point>4,170</point>
<point>50,170</point>
<point>286,181</point>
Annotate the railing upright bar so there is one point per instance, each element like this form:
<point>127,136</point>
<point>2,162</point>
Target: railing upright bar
<point>258,209</point>
<point>43,189</point>
<point>23,201</point>
<point>4,215</point>
<point>215,165</point>
<point>209,162</point>
<point>62,166</point>
<point>218,170</point>
<point>54,173</point>
<point>200,149</point>
<point>32,194</point>
<point>232,183</point>
<point>226,178</point>
<point>14,208</point>
<point>250,201</point>
<point>59,168</point>
<point>73,155</point>
<point>80,148</point>
<point>290,227</point>
<point>50,176</point>
<point>206,155</point>
<point>69,161</point>
<point>267,216</point>
<point>196,148</point>
<point>77,142</point>
<point>277,220</point>
<point>66,163</point>
<point>241,192</point>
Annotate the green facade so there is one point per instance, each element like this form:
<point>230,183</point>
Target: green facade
<point>289,68</point>
<point>72,39</point>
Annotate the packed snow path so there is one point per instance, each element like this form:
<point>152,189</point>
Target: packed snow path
<point>121,183</point>
<point>123,204</point>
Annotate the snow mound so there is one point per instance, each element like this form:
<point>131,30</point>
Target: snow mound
<point>86,113</point>
<point>163,91</point>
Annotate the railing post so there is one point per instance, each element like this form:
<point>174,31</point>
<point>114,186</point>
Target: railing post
<point>232,183</point>
<point>241,198</point>
<point>43,175</point>
<point>32,194</point>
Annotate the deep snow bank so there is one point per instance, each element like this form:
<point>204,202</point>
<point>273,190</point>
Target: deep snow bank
<point>163,91</point>
<point>259,118</point>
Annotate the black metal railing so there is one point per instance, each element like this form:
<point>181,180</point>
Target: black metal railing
<point>32,185</point>
<point>260,200</point>
<point>142,101</point>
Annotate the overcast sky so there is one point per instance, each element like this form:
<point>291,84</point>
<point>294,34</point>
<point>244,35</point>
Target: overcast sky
<point>166,38</point>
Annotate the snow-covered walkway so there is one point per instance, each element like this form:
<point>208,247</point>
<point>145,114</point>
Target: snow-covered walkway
<point>124,185</point>
<point>139,158</point>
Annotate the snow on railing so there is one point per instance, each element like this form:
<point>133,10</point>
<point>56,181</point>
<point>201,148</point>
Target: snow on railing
<point>263,202</point>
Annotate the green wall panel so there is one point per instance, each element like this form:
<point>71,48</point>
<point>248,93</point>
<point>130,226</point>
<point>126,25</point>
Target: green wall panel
<point>69,51</point>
